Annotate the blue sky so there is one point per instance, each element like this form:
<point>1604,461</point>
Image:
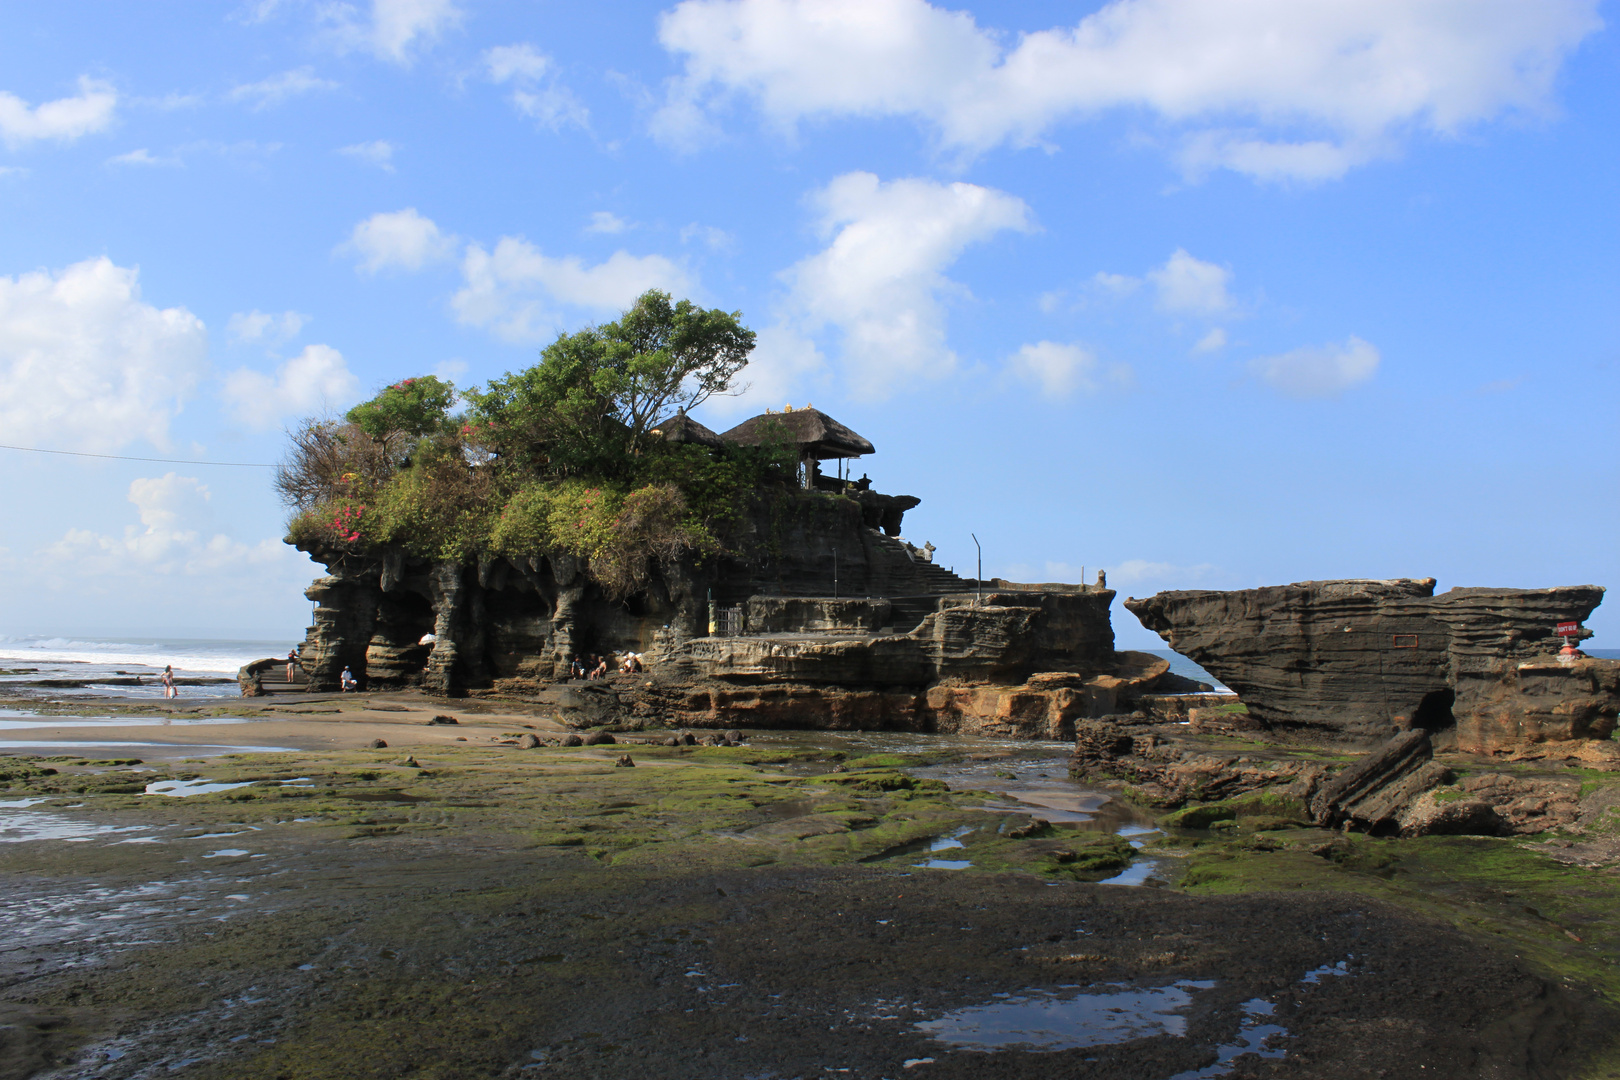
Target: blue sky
<point>1211,295</point>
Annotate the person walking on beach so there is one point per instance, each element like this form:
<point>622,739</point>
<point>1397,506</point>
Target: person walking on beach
<point>169,689</point>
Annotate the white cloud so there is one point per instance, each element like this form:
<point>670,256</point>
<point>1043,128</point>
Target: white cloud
<point>314,379</point>
<point>516,289</point>
<point>378,152</point>
<point>604,221</point>
<point>63,120</point>
<point>143,156</point>
<point>403,239</point>
<point>779,365</point>
<point>171,539</point>
<point>713,238</point>
<point>536,91</point>
<point>1189,285</point>
<point>1319,86</point>
<point>278,88</point>
<point>1318,371</point>
<point>258,327</point>
<point>1060,370</point>
<point>86,365</point>
<point>1214,341</point>
<point>879,280</point>
<point>394,30</point>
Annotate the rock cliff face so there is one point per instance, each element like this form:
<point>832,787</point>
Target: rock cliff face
<point>828,623</point>
<point>1365,659</point>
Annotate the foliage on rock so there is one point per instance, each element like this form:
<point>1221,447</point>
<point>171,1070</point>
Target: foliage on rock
<point>559,457</point>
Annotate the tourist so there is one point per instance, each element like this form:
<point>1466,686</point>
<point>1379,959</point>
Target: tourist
<point>600,669</point>
<point>347,680</point>
<point>576,670</point>
<point>292,663</point>
<point>169,689</point>
<point>635,664</point>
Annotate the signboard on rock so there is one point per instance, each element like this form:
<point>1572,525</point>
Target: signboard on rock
<point>1567,628</point>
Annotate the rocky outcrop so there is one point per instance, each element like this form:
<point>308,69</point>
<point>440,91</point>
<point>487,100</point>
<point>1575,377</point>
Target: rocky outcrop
<point>1360,660</point>
<point>1371,794</point>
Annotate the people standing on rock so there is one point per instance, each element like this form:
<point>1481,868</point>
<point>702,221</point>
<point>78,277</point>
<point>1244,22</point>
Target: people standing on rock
<point>292,663</point>
<point>169,689</point>
<point>347,680</point>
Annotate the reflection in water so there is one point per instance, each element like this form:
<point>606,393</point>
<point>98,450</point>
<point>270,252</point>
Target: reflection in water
<point>1054,1020</point>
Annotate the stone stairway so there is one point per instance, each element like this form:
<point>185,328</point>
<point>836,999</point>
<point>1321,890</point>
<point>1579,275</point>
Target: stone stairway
<point>924,584</point>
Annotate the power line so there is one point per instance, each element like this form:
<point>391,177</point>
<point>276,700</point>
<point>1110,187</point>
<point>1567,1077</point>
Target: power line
<point>121,457</point>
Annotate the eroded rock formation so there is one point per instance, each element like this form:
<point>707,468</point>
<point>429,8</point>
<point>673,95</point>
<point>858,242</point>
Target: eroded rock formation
<point>1364,659</point>
<point>827,623</point>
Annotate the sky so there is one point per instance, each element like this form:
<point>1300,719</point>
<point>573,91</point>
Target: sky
<point>1208,295</point>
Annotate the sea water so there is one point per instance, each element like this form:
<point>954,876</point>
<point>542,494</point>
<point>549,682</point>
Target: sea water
<point>89,660</point>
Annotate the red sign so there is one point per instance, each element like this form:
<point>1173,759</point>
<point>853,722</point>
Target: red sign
<point>1567,628</point>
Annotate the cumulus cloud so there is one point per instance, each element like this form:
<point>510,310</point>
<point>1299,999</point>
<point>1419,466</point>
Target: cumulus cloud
<point>1318,371</point>
<point>143,156</point>
<point>314,379</point>
<point>402,240</point>
<point>63,120</point>
<point>393,30</point>
<point>86,365</point>
<point>1060,370</point>
<point>260,328</point>
<point>880,279</point>
<point>378,152</point>
<point>536,91</point>
<point>171,539</point>
<point>278,88</point>
<point>516,290</point>
<point>1214,341</point>
<point>1186,284</point>
<point>779,365</point>
<point>605,221</point>
<point>1276,89</point>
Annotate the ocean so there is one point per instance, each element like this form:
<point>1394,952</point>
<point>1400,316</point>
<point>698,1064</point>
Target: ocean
<point>28,660</point>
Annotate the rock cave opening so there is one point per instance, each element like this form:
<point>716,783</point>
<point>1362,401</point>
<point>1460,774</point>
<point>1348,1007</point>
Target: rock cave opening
<point>1433,713</point>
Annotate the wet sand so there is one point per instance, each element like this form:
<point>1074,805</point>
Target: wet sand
<point>332,911</point>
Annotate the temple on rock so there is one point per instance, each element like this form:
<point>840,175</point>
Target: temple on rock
<point>816,615</point>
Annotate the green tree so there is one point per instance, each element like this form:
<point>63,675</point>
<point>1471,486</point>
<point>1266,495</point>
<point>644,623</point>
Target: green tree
<point>406,412</point>
<point>586,408</point>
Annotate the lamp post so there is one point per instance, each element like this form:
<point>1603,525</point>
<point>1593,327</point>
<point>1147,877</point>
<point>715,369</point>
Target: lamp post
<point>978,575</point>
<point>835,573</point>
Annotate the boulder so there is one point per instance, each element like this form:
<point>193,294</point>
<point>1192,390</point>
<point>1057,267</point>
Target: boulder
<point>528,742</point>
<point>573,740</point>
<point>1372,793</point>
<point>443,720</point>
<point>377,744</point>
<point>599,738</point>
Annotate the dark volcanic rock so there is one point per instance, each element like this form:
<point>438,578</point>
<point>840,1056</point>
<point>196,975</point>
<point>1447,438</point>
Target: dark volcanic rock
<point>1364,659</point>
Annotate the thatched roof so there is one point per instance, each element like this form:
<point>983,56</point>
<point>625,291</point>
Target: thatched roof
<point>681,428</point>
<point>815,433</point>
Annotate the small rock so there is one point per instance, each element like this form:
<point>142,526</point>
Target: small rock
<point>442,719</point>
<point>673,740</point>
<point>714,740</point>
<point>1064,856</point>
<point>377,744</point>
<point>529,742</point>
<point>1037,825</point>
<point>624,762</point>
<point>573,740</point>
<point>411,763</point>
<point>688,739</point>
<point>734,738</point>
<point>599,738</point>
<point>461,738</point>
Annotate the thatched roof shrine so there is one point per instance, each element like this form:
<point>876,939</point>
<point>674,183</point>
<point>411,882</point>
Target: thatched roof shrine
<point>817,435</point>
<point>681,428</point>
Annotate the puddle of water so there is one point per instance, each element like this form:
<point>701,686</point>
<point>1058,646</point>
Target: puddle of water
<point>1045,1020</point>
<point>179,789</point>
<point>1251,1039</point>
<point>1326,970</point>
<point>60,744</point>
<point>17,828</point>
<point>227,853</point>
<point>1135,874</point>
<point>37,720</point>
<point>23,802</point>
<point>945,864</point>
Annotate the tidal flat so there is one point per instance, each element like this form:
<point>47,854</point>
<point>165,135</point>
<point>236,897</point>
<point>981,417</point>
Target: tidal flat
<point>464,907</point>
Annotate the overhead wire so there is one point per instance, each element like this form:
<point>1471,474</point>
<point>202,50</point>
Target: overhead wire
<point>122,457</point>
